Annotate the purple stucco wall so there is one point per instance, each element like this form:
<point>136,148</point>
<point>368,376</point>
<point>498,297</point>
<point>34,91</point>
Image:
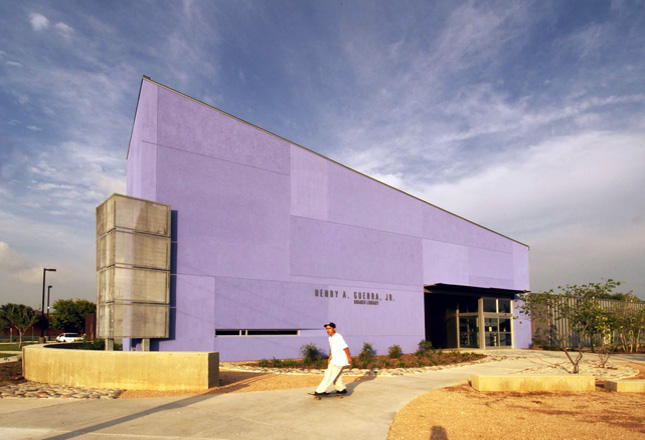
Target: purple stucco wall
<point>262,224</point>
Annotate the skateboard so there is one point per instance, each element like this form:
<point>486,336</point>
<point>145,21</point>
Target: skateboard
<point>320,396</point>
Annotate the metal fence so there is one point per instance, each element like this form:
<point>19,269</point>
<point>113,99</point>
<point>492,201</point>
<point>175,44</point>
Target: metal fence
<point>554,331</point>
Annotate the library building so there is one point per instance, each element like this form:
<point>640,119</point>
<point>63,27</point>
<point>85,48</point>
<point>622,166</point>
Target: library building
<point>263,241</point>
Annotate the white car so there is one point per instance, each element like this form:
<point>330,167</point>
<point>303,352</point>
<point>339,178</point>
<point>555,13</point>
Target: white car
<point>68,337</point>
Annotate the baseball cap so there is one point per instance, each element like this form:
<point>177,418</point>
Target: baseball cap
<point>331,324</point>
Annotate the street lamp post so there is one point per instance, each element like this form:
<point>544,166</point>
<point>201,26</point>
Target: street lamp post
<point>42,327</point>
<point>49,288</point>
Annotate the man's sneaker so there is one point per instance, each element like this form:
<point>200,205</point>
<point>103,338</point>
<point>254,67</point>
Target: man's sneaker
<point>316,393</point>
<point>342,392</point>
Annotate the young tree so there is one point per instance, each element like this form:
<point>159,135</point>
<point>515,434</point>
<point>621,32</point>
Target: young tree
<point>19,316</point>
<point>629,316</point>
<point>69,314</point>
<point>579,306</point>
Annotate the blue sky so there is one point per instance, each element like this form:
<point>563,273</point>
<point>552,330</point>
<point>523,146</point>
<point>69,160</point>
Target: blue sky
<point>525,117</point>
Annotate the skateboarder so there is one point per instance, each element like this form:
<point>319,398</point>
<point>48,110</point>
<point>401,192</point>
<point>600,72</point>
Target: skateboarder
<point>339,358</point>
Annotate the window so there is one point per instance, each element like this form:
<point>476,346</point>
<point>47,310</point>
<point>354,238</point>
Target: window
<point>468,332</point>
<point>498,320</point>
<point>468,305</point>
<point>504,305</point>
<point>227,332</point>
<point>490,305</point>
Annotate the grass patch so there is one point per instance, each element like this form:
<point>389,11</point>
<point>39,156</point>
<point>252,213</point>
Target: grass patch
<point>12,347</point>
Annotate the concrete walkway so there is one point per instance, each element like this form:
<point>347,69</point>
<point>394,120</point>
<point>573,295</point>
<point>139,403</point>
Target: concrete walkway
<point>365,413</point>
<point>16,355</point>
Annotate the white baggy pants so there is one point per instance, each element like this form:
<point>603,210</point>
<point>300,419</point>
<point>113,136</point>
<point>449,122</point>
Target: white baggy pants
<point>332,376</point>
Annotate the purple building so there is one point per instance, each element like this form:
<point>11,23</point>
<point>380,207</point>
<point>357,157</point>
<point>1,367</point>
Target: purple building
<point>270,240</point>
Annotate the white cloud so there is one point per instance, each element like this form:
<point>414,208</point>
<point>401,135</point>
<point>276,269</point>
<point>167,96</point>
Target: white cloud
<point>33,128</point>
<point>582,253</point>
<point>110,184</point>
<point>576,200</point>
<point>22,98</point>
<point>559,180</point>
<point>38,21</point>
<point>63,28</point>
<point>45,244</point>
<point>14,265</point>
<point>13,64</point>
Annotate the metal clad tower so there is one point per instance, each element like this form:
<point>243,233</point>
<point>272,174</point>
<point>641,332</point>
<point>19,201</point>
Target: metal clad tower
<point>133,268</point>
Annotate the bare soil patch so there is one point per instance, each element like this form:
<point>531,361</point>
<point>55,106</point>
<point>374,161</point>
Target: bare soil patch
<point>11,373</point>
<point>462,413</point>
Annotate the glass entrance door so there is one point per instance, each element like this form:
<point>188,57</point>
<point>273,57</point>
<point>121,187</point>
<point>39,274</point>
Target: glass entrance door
<point>497,322</point>
<point>468,332</point>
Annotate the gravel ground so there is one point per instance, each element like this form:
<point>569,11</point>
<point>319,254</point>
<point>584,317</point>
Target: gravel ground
<point>462,413</point>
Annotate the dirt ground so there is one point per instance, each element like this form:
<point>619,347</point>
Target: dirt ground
<point>10,373</point>
<point>461,413</point>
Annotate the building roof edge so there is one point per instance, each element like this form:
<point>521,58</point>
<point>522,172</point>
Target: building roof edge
<point>146,78</point>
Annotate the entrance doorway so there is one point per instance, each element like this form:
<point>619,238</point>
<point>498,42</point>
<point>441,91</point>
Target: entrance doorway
<point>468,332</point>
<point>468,317</point>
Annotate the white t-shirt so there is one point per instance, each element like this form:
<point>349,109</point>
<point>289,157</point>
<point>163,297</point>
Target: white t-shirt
<point>338,346</point>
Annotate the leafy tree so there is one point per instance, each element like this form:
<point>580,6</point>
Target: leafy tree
<point>3,322</point>
<point>69,314</point>
<point>629,317</point>
<point>579,305</point>
<point>20,316</point>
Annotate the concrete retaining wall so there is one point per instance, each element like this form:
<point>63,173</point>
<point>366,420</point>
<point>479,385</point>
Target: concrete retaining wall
<point>626,386</point>
<point>570,382</point>
<point>121,369</point>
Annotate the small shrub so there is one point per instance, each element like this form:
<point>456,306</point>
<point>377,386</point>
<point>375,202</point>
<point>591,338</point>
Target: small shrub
<point>320,364</point>
<point>290,363</point>
<point>366,355</point>
<point>97,344</point>
<point>402,364</point>
<point>263,363</point>
<point>310,354</point>
<point>425,345</point>
<point>395,352</point>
